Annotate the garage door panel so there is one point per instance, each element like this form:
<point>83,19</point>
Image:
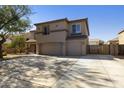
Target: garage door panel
<point>51,49</point>
<point>74,48</point>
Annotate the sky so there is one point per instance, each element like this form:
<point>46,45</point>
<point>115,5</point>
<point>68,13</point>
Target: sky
<point>104,21</point>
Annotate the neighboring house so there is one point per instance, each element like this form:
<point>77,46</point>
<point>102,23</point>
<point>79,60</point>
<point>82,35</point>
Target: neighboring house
<point>118,43</point>
<point>121,37</point>
<point>114,41</point>
<point>62,37</point>
<point>118,40</point>
<point>95,42</point>
<point>30,41</point>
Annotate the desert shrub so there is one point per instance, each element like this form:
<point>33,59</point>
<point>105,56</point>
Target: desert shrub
<point>18,43</point>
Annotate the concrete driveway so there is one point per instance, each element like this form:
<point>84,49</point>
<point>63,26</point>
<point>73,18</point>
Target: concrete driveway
<point>46,71</point>
<point>94,71</point>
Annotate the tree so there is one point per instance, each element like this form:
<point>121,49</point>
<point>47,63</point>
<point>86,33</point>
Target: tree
<point>13,19</point>
<point>18,43</point>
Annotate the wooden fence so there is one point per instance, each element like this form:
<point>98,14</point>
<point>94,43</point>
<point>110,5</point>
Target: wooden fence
<point>106,49</point>
<point>121,50</point>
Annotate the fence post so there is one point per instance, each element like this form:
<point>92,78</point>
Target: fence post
<point>116,50</point>
<point>111,50</point>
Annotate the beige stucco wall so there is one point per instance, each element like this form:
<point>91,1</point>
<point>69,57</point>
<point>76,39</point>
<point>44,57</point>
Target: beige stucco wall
<point>52,37</point>
<point>53,26</point>
<point>58,25</point>
<point>121,38</point>
<point>29,35</point>
<point>86,41</point>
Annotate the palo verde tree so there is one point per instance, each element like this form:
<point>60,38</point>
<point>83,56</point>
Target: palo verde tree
<point>13,19</point>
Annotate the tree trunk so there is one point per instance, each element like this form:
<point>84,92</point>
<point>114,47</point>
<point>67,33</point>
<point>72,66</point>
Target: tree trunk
<point>1,54</point>
<point>1,43</point>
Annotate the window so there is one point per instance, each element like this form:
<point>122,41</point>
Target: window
<point>46,30</point>
<point>76,28</point>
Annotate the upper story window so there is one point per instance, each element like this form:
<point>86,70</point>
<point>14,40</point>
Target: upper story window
<point>46,30</point>
<point>76,28</point>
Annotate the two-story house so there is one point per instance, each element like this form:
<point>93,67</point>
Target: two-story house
<point>121,37</point>
<point>62,37</point>
<point>96,42</point>
<point>119,40</point>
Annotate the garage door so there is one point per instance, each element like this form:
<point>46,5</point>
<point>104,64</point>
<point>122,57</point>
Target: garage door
<point>74,48</point>
<point>51,49</point>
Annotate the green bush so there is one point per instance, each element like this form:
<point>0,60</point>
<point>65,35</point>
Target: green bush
<point>18,43</point>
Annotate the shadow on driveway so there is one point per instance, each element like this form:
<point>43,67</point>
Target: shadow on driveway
<point>79,76</point>
<point>52,71</point>
<point>40,71</point>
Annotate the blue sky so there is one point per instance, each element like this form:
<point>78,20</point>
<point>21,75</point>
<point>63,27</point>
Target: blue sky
<point>104,21</point>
